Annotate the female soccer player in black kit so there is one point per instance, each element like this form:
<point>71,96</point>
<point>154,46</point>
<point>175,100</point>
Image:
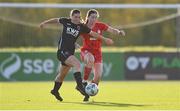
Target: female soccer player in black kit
<point>72,28</point>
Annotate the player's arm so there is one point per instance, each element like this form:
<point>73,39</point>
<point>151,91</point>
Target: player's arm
<point>108,41</point>
<point>116,31</point>
<point>50,21</point>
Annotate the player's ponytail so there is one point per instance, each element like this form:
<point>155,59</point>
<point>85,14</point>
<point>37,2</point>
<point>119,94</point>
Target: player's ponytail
<point>91,11</point>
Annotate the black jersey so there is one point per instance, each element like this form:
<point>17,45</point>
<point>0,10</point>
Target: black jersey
<point>70,34</point>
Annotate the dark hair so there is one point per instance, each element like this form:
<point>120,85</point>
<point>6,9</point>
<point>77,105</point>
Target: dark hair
<point>91,11</point>
<point>75,11</point>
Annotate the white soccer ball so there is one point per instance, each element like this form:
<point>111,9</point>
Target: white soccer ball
<point>91,89</point>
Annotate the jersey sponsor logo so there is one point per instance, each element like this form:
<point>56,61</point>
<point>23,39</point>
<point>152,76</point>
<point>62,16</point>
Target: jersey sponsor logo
<point>93,38</point>
<point>99,32</point>
<point>72,31</point>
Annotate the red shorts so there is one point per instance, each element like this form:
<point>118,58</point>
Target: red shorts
<point>96,53</point>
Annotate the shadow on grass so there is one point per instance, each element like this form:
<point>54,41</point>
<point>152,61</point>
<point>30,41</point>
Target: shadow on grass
<point>108,104</point>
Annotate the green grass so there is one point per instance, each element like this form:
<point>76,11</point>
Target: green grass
<point>134,95</point>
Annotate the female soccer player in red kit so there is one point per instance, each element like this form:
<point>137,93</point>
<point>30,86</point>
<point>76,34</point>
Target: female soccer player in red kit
<point>91,53</point>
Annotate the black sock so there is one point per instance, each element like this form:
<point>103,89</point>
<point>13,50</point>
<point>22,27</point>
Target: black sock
<point>57,86</point>
<point>78,78</point>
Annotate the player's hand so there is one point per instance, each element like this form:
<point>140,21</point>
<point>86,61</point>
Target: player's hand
<point>77,46</point>
<point>109,41</point>
<point>41,25</point>
<point>122,32</point>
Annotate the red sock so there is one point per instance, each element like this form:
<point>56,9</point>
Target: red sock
<point>87,72</point>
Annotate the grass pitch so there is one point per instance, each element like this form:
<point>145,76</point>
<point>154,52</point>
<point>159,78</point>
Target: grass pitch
<point>134,95</point>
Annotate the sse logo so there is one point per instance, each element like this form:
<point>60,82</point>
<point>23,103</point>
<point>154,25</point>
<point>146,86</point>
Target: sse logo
<point>10,65</point>
<point>38,66</point>
<point>15,64</point>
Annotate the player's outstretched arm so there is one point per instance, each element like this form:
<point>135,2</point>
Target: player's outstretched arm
<point>108,41</point>
<point>116,31</point>
<point>50,21</point>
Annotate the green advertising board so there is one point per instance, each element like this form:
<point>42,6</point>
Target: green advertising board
<point>152,66</point>
<point>43,66</point>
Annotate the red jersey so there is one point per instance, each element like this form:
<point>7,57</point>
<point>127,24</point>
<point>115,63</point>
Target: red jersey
<point>90,43</point>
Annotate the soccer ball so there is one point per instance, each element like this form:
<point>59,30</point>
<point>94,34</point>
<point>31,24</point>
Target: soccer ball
<point>91,89</point>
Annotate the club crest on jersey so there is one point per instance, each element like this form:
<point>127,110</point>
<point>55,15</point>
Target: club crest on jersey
<point>78,27</point>
<point>98,31</point>
<point>72,31</point>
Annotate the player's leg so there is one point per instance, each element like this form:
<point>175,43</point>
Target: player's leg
<point>74,62</point>
<point>60,77</point>
<point>62,74</point>
<point>98,69</point>
<point>62,56</point>
<point>59,80</point>
<point>88,60</point>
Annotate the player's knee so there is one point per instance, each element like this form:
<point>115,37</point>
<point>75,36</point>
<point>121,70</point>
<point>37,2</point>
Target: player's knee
<point>90,60</point>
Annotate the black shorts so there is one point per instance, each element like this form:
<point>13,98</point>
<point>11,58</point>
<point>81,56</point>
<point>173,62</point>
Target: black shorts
<point>63,56</point>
